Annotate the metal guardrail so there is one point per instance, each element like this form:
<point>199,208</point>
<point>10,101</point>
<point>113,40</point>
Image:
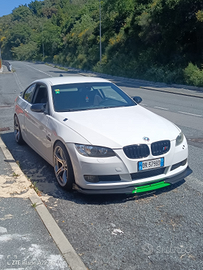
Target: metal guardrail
<point>7,64</point>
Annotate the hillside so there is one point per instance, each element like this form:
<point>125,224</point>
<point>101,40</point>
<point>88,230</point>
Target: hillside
<point>156,40</point>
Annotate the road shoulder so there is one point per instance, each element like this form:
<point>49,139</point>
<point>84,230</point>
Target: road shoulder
<point>23,190</point>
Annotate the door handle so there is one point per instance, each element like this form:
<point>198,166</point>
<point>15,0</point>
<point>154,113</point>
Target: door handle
<point>48,137</point>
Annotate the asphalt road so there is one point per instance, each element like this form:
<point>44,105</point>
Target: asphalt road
<point>158,230</point>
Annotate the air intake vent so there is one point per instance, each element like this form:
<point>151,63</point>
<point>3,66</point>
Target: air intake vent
<point>177,165</point>
<point>136,151</point>
<point>150,173</point>
<point>160,148</point>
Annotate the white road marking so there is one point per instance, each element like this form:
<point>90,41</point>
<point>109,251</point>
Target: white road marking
<point>192,114</point>
<point>39,70</point>
<point>14,269</point>
<point>18,82</point>
<point>187,113</point>
<point>117,231</point>
<point>161,108</point>
<point>3,230</point>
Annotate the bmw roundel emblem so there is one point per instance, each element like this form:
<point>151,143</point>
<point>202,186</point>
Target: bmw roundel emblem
<point>146,139</point>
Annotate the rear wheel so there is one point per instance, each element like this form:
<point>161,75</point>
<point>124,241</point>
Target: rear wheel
<point>63,167</point>
<point>17,131</point>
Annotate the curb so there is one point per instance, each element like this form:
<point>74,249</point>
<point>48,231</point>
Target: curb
<point>200,95</point>
<point>68,252</point>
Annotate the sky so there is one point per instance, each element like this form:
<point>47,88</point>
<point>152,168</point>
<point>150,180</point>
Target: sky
<point>6,6</point>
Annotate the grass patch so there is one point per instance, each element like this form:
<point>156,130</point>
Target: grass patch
<point>34,186</point>
<point>193,75</point>
<point>15,174</point>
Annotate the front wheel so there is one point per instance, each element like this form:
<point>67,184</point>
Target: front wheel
<point>62,167</point>
<point>17,131</point>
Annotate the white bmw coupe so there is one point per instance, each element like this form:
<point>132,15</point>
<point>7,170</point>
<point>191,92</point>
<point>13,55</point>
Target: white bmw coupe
<point>97,138</point>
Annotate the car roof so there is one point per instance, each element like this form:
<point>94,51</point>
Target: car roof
<point>70,79</point>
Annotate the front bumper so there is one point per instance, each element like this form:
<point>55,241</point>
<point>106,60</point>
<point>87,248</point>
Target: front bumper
<point>139,188</point>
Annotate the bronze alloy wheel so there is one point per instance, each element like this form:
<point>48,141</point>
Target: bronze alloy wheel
<point>17,131</point>
<point>62,166</point>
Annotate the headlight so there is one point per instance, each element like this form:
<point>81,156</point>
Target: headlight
<point>94,151</point>
<point>179,139</point>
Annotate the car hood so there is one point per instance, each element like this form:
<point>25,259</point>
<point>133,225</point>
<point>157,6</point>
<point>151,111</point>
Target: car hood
<point>118,127</point>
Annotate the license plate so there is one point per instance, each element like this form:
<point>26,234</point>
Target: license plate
<point>150,164</point>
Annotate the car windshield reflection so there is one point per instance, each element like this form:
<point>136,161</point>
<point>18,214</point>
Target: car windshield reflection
<point>88,96</point>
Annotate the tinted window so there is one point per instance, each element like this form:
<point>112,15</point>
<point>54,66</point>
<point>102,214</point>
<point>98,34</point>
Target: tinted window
<point>28,94</point>
<point>86,96</point>
<point>40,95</point>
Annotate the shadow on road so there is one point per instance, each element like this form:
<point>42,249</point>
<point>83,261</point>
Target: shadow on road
<point>42,174</point>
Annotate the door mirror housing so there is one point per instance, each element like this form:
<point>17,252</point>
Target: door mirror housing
<point>38,107</point>
<point>137,99</point>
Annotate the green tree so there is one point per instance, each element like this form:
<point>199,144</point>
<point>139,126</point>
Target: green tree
<point>36,7</point>
<point>21,13</point>
<point>50,38</point>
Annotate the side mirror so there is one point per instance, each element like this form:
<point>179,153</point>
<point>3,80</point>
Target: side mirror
<point>137,99</point>
<point>38,107</point>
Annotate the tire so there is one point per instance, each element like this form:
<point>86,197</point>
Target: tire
<point>17,131</point>
<point>62,167</point>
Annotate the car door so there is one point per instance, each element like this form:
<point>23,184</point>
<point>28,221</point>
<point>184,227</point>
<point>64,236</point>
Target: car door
<point>36,122</point>
<point>21,106</point>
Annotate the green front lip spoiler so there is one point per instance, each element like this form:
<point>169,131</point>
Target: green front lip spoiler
<point>161,183</point>
<point>150,187</point>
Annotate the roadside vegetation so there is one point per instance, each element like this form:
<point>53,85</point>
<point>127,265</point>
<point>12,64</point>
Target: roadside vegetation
<point>157,40</point>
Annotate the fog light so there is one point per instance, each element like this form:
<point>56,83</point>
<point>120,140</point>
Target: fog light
<point>91,178</point>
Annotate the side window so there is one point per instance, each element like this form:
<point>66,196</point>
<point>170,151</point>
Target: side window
<point>41,95</point>
<point>28,94</point>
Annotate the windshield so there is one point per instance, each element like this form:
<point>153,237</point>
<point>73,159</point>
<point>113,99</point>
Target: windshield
<point>86,96</point>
